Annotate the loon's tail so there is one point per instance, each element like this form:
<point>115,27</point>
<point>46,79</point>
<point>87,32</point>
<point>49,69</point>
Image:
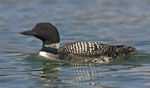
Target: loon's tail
<point>123,50</point>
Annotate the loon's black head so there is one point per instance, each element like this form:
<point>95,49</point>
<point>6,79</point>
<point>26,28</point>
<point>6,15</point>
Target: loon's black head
<point>45,32</point>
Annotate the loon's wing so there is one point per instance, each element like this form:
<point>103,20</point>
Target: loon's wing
<point>96,49</point>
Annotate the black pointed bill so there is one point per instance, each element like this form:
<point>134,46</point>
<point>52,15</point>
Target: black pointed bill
<point>30,32</point>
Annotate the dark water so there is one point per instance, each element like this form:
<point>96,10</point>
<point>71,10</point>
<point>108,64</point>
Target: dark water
<point>107,21</point>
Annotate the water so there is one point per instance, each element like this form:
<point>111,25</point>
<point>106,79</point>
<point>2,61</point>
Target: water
<point>107,21</point>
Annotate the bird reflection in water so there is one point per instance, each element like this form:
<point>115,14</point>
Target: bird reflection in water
<point>73,74</point>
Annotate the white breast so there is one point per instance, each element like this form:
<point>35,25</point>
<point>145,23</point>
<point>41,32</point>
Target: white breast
<point>48,55</point>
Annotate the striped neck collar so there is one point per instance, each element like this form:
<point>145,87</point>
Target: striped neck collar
<point>50,47</point>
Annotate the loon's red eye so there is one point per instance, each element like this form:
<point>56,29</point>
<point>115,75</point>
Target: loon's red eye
<point>42,30</point>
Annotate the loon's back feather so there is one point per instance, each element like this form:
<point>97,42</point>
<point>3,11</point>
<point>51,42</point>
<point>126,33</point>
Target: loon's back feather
<point>93,51</point>
<point>86,48</point>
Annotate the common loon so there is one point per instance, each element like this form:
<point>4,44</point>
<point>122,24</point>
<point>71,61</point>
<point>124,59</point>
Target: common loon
<point>76,51</point>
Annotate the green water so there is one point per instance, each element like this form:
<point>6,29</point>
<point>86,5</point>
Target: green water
<point>120,22</point>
